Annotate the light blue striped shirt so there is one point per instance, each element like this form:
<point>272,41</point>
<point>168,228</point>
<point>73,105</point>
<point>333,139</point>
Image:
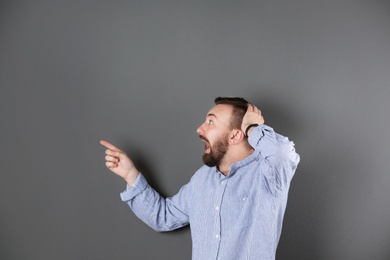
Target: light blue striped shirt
<point>235,217</point>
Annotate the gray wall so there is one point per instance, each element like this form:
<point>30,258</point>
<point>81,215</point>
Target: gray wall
<point>142,74</point>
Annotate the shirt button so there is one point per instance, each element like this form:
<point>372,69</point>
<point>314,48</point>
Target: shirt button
<point>244,199</point>
<point>217,236</point>
<point>216,208</point>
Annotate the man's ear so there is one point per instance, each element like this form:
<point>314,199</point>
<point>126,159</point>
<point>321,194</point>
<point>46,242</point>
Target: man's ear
<point>236,136</point>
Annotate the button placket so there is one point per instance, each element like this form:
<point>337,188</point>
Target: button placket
<point>217,207</point>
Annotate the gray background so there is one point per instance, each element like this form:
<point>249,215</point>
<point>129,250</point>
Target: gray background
<point>142,74</point>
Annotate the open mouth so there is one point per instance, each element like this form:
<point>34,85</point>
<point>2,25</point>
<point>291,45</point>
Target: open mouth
<point>207,147</point>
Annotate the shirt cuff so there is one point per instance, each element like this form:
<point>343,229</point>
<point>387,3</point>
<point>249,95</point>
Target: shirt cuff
<point>139,185</point>
<point>257,134</point>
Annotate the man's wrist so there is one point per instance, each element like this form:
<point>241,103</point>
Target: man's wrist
<point>248,128</point>
<point>131,178</point>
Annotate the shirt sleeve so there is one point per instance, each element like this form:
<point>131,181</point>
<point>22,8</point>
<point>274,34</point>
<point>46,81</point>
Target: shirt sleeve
<point>278,158</point>
<point>161,214</point>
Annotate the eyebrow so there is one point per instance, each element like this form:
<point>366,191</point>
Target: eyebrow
<point>211,114</point>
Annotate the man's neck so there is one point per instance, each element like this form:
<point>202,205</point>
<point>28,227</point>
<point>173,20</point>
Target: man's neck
<point>231,158</point>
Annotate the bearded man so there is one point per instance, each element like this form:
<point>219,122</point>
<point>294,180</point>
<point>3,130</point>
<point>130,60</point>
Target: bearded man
<point>235,203</point>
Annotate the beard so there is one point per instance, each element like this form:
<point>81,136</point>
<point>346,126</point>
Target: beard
<point>217,151</point>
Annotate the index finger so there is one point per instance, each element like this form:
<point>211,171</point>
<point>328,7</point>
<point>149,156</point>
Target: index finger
<point>109,146</point>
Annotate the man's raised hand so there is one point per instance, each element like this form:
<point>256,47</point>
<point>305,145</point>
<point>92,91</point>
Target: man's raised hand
<point>119,163</point>
<point>252,116</point>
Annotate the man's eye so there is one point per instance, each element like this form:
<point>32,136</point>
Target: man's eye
<point>210,122</point>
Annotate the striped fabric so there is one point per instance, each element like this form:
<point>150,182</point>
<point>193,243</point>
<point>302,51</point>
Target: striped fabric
<point>235,217</point>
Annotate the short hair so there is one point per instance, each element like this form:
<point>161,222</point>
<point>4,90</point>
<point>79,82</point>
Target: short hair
<point>240,105</point>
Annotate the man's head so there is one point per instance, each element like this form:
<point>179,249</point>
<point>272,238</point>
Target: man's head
<point>222,128</point>
<point>239,106</point>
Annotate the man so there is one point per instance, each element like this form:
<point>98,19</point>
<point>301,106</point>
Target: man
<point>235,203</point>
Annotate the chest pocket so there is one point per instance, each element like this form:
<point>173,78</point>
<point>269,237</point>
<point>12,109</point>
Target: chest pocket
<point>238,205</point>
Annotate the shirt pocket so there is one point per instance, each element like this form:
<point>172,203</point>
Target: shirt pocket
<point>236,211</point>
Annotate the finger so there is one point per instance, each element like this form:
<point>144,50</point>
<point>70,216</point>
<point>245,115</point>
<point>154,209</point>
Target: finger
<point>256,109</point>
<point>114,154</point>
<point>250,107</point>
<point>109,146</point>
<point>253,108</point>
<point>111,165</point>
<point>111,159</point>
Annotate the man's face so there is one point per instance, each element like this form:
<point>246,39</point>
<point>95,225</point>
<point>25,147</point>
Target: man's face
<point>214,132</point>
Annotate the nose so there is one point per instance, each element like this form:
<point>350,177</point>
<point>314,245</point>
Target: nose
<point>200,130</point>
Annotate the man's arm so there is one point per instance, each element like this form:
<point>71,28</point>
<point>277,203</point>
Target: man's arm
<point>279,159</point>
<point>159,213</point>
